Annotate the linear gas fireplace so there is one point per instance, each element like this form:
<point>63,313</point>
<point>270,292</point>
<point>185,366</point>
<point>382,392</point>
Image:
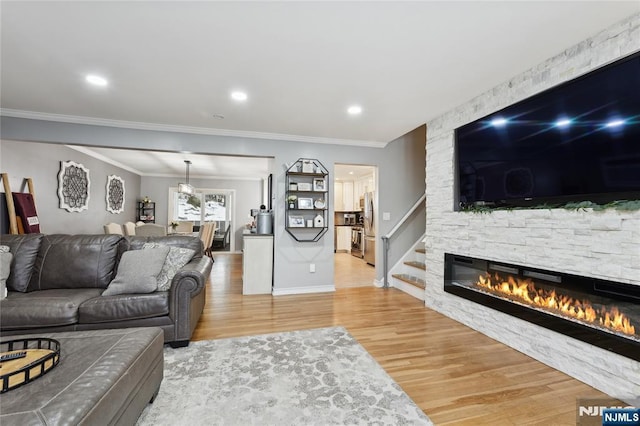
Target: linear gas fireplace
<point>603,313</point>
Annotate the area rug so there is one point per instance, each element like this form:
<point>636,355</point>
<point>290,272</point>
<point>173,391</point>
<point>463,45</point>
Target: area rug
<point>311,377</point>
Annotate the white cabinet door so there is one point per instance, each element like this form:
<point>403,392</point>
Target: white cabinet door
<point>347,190</point>
<point>343,238</point>
<point>338,202</point>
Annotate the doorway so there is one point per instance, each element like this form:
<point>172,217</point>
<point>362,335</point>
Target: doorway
<point>355,222</point>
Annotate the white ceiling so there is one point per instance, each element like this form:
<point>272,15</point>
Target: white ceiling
<point>174,63</point>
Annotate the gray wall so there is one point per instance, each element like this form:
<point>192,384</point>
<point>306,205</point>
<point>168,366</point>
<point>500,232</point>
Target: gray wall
<point>396,180</point>
<point>248,196</point>
<point>41,162</point>
<point>411,149</point>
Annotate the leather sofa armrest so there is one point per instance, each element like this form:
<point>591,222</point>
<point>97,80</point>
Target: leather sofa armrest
<point>187,296</point>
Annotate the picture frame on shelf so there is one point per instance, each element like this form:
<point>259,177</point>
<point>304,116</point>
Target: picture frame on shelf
<point>305,203</point>
<point>319,185</point>
<point>304,186</point>
<point>296,221</point>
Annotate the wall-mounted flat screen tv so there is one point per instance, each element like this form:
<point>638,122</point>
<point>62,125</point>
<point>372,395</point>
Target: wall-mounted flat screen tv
<point>579,141</point>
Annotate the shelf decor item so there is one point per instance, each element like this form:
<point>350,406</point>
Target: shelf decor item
<point>319,185</point>
<point>305,203</point>
<point>296,221</point>
<point>115,194</point>
<point>291,199</point>
<point>73,186</point>
<point>307,166</point>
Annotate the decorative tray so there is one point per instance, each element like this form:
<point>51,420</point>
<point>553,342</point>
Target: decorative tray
<point>24,360</point>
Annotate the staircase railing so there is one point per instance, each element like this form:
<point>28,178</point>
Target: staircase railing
<point>385,239</point>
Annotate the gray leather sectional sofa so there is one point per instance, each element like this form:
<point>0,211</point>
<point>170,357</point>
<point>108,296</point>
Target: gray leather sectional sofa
<point>56,284</point>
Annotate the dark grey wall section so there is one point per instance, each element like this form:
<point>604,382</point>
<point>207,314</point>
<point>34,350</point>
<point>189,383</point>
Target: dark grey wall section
<point>402,195</point>
<point>399,178</point>
<point>248,195</point>
<point>41,162</point>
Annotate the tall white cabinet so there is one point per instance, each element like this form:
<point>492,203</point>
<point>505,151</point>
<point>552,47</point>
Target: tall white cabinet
<point>257,264</point>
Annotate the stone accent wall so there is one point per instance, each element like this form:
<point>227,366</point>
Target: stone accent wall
<point>590,243</point>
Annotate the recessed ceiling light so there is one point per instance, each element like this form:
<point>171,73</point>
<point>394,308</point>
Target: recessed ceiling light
<point>354,109</point>
<point>239,96</point>
<point>564,122</point>
<point>498,122</point>
<point>350,173</point>
<point>96,80</point>
<point>615,123</point>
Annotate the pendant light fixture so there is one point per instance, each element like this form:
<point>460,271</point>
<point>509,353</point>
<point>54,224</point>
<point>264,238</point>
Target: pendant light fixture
<point>185,188</point>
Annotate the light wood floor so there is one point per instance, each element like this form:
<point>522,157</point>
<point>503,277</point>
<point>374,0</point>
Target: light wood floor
<point>351,271</point>
<point>455,374</point>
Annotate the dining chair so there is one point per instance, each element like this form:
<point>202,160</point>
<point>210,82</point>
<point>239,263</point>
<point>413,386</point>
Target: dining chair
<point>151,230</point>
<point>112,228</point>
<point>206,236</point>
<point>129,228</point>
<point>184,226</point>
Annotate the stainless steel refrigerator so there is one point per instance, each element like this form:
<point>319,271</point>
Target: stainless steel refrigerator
<point>369,229</point>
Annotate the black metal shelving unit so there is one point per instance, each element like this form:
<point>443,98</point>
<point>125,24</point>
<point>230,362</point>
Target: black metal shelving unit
<point>307,200</point>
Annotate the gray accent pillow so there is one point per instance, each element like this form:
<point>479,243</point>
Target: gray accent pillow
<point>5,269</point>
<point>176,259</point>
<point>137,271</point>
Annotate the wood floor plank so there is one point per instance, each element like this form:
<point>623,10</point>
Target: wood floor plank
<point>456,375</point>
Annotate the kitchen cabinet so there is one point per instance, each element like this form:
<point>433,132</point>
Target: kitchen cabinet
<point>347,197</point>
<point>343,198</point>
<point>343,239</point>
<point>307,200</point>
<point>338,197</point>
<point>257,264</point>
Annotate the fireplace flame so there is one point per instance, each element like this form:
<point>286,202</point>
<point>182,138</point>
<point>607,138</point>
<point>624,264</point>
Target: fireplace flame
<point>525,290</point>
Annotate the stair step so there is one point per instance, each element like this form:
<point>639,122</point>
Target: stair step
<point>416,264</point>
<point>421,250</point>
<point>413,280</point>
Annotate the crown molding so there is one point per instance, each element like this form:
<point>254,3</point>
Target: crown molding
<point>93,121</point>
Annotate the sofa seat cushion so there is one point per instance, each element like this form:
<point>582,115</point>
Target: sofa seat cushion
<point>46,308</point>
<point>124,307</point>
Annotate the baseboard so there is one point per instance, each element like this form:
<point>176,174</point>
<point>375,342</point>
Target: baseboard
<point>379,283</point>
<point>303,290</point>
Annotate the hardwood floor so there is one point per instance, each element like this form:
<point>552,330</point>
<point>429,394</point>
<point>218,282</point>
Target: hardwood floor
<point>455,374</point>
<point>352,271</point>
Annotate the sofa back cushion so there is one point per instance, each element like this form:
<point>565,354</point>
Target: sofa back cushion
<point>136,242</point>
<point>25,249</point>
<point>75,261</point>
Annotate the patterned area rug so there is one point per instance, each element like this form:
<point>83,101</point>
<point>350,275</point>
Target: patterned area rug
<point>311,377</point>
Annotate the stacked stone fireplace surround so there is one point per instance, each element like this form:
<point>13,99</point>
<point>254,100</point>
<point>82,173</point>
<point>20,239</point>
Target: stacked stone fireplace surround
<point>601,244</point>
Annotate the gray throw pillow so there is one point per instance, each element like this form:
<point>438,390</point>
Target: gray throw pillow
<point>176,259</point>
<point>5,269</point>
<point>137,271</point>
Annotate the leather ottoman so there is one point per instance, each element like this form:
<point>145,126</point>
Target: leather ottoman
<point>104,377</point>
